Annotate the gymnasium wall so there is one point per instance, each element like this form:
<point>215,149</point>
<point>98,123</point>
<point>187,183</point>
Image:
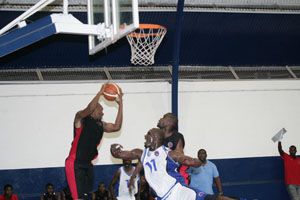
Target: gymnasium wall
<point>237,119</point>
<point>232,120</point>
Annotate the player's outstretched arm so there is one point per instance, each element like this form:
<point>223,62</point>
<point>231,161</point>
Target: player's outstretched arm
<point>180,145</point>
<point>117,152</point>
<point>89,109</point>
<point>185,160</point>
<point>113,127</point>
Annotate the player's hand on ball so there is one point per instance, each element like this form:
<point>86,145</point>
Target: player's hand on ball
<point>102,88</point>
<point>111,91</point>
<point>119,99</point>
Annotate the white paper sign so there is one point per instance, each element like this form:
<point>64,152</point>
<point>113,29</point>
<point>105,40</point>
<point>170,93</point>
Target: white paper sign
<point>278,136</point>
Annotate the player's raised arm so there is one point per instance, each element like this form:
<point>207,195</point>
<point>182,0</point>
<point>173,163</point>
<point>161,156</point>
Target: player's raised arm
<point>117,152</point>
<point>113,127</point>
<point>89,109</point>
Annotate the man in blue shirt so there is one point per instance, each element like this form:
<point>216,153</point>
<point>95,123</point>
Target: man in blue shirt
<point>202,177</point>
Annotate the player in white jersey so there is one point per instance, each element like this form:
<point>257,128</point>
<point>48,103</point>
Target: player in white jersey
<point>155,160</point>
<point>123,177</point>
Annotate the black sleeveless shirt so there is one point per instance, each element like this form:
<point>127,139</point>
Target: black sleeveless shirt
<point>90,137</point>
<point>173,140</point>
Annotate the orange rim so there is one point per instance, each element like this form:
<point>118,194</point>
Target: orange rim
<point>153,26</point>
<point>147,26</point>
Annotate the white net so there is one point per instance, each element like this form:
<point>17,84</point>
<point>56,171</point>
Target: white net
<point>144,42</point>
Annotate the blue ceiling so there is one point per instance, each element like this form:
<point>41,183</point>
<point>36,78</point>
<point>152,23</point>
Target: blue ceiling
<point>237,39</point>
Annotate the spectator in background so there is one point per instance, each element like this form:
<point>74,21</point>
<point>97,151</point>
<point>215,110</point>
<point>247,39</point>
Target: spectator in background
<point>202,177</point>
<point>8,193</point>
<point>101,193</point>
<point>123,176</point>
<point>49,193</point>
<point>65,194</point>
<point>291,171</point>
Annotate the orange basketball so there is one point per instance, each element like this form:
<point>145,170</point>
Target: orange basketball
<point>111,91</point>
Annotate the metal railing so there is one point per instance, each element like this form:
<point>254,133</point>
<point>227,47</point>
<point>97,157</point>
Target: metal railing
<point>157,73</point>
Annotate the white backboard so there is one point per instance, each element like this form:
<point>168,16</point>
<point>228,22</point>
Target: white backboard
<point>118,17</point>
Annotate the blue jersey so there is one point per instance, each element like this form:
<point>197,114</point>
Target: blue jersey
<point>172,169</point>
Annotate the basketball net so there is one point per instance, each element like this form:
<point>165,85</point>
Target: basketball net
<point>144,42</point>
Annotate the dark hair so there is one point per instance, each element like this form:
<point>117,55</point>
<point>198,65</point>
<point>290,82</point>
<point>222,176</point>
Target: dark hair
<point>201,150</point>
<point>293,146</point>
<point>101,183</point>
<point>174,120</point>
<point>8,186</point>
<point>48,184</point>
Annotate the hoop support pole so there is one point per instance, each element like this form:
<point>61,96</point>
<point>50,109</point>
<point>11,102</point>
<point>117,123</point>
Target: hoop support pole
<point>176,54</point>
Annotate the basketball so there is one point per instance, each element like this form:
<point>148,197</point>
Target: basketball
<point>111,91</point>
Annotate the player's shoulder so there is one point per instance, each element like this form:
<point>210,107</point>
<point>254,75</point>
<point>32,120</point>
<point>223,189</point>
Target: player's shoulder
<point>165,149</point>
<point>121,169</point>
<point>180,135</point>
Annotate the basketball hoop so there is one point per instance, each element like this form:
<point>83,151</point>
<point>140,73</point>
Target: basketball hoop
<point>144,42</point>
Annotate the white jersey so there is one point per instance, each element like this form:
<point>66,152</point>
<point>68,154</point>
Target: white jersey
<point>155,165</point>
<point>123,185</point>
<point>155,168</point>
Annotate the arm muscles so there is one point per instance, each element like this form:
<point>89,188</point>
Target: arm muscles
<point>87,111</point>
<point>113,127</point>
<point>130,155</point>
<point>183,159</point>
<point>179,146</point>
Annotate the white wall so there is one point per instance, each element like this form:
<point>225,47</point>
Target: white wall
<point>238,118</point>
<point>230,119</point>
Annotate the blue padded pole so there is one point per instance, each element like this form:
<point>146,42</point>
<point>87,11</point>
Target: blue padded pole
<point>176,54</point>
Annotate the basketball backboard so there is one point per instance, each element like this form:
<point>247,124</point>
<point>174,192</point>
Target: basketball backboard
<point>117,17</point>
<point>109,20</point>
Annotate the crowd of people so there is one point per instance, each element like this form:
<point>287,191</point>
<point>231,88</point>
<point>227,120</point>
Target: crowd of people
<point>48,194</point>
<point>121,192</point>
<point>163,171</point>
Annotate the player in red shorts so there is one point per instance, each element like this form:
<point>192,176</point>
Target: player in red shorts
<point>88,132</point>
